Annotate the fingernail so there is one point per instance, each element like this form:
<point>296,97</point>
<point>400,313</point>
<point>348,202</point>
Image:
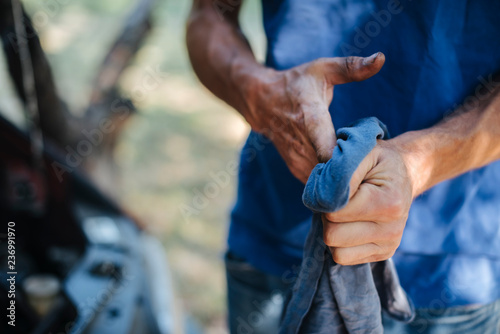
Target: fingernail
<point>371,59</point>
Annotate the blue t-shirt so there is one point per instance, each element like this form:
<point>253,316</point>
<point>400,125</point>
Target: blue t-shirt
<point>437,53</point>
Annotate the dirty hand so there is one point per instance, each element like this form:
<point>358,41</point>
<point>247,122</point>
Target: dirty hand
<point>291,107</point>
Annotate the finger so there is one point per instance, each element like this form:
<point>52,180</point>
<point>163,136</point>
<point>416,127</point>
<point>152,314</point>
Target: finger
<point>342,70</point>
<point>350,234</point>
<point>294,148</point>
<point>299,166</point>
<point>363,206</point>
<point>361,173</point>
<point>319,127</point>
<point>359,254</point>
<point>358,207</point>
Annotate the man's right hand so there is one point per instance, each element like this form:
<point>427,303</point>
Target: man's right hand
<point>291,107</point>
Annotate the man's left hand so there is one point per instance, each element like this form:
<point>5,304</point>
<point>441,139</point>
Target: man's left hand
<point>369,228</point>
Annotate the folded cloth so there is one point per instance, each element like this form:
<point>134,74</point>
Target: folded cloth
<point>328,297</point>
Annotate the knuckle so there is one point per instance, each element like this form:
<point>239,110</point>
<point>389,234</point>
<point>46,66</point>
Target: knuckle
<point>329,217</point>
<point>393,232</point>
<point>328,237</point>
<point>339,258</point>
<point>344,256</point>
<point>349,63</point>
<point>331,235</point>
<point>395,207</point>
<point>386,252</point>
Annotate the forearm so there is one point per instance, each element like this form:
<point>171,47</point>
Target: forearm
<point>466,140</point>
<point>220,54</point>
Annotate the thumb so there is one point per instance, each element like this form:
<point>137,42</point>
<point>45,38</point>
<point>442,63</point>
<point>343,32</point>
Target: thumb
<point>342,70</point>
<point>321,132</point>
<point>361,172</point>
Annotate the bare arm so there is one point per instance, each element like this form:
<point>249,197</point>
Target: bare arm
<point>290,107</point>
<point>217,47</point>
<point>468,139</point>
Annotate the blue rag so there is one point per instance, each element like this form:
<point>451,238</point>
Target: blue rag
<point>328,297</point>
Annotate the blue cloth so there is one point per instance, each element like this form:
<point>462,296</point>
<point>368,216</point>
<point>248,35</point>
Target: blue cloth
<point>328,297</point>
<point>437,53</point>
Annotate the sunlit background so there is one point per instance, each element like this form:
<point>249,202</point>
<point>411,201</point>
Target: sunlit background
<point>171,148</point>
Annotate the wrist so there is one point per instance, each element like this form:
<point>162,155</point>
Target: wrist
<point>416,149</point>
<point>250,80</point>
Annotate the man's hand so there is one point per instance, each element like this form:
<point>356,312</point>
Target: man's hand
<point>370,227</point>
<point>291,107</point>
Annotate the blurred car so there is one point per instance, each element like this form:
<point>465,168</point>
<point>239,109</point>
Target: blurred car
<point>71,260</point>
<point>112,276</point>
